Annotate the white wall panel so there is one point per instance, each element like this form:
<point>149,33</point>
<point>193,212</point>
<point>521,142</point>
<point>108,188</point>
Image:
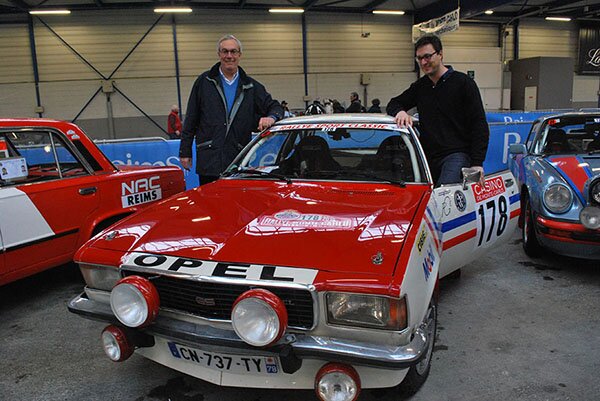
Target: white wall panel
<point>17,100</point>
<point>547,38</point>
<point>472,35</point>
<point>586,88</point>
<point>16,63</point>
<point>335,43</point>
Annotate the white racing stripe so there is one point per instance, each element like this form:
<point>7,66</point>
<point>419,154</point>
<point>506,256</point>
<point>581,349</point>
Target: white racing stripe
<point>20,220</point>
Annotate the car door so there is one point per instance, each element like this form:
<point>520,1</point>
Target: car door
<point>476,218</point>
<point>42,211</point>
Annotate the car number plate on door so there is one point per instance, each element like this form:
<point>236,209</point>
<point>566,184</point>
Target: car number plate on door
<point>263,365</point>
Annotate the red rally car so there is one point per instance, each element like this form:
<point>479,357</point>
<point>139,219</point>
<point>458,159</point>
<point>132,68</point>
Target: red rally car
<point>57,190</point>
<point>312,263</point>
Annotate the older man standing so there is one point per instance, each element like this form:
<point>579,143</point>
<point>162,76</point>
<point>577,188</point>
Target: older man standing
<point>224,107</point>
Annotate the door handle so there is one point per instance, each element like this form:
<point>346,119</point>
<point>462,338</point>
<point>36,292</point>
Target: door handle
<point>87,191</point>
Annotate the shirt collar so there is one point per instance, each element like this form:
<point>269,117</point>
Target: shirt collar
<point>232,80</point>
<point>447,73</point>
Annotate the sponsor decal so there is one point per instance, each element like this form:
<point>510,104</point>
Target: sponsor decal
<point>334,126</point>
<point>377,259</point>
<point>292,218</point>
<point>428,263</point>
<point>240,271</point>
<point>140,191</point>
<point>460,200</point>
<point>446,206</point>
<point>491,187</point>
<point>421,239</point>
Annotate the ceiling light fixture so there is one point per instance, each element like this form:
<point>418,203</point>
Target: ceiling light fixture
<point>389,12</point>
<point>563,19</point>
<point>173,10</point>
<point>49,12</point>
<point>488,12</point>
<point>287,10</point>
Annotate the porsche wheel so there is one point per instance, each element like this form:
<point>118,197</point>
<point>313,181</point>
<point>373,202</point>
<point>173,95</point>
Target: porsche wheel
<point>531,246</point>
<point>418,373</point>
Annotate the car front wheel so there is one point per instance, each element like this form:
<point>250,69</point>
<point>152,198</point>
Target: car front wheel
<point>531,246</point>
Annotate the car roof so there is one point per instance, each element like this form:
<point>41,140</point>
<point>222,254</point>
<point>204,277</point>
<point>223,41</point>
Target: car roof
<point>571,114</point>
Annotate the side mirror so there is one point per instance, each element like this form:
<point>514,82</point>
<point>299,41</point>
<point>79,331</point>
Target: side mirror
<point>470,175</point>
<point>517,149</point>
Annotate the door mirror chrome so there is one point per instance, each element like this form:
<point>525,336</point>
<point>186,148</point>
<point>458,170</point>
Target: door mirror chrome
<point>470,175</point>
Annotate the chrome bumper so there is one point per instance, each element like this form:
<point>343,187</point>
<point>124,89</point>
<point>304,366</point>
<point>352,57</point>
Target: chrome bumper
<point>295,346</point>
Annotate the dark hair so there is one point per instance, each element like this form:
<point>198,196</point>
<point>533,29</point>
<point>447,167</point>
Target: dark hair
<point>429,40</point>
<point>376,102</point>
<point>354,94</point>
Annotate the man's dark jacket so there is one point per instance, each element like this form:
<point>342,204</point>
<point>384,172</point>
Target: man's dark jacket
<point>355,107</point>
<point>451,116</point>
<point>219,137</point>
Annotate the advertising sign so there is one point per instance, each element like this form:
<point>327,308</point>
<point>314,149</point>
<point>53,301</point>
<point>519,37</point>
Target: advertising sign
<point>589,50</point>
<point>437,26</point>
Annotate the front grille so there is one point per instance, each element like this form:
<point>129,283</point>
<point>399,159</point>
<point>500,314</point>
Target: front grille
<point>215,300</point>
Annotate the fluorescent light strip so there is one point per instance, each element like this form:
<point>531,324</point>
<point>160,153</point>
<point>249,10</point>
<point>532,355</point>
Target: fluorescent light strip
<point>286,10</point>
<point>173,10</point>
<point>563,19</point>
<point>49,12</point>
<point>389,12</point>
<point>488,12</point>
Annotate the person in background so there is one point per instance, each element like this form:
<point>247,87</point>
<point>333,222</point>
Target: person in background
<point>315,108</point>
<point>225,107</point>
<point>337,107</point>
<point>355,104</point>
<point>454,130</point>
<point>375,106</point>
<point>286,111</point>
<point>174,123</point>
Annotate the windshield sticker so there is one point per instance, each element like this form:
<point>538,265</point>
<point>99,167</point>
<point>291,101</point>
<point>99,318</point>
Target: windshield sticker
<point>292,218</point>
<point>140,191</point>
<point>242,271</point>
<point>334,126</point>
<point>492,187</point>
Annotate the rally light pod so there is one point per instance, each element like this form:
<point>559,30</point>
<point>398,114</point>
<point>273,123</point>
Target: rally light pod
<point>116,344</point>
<point>259,317</point>
<point>337,382</point>
<point>135,302</point>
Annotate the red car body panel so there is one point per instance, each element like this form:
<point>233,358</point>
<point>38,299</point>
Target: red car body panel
<point>72,207</point>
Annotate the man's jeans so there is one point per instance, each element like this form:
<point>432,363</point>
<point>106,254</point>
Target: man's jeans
<point>450,168</point>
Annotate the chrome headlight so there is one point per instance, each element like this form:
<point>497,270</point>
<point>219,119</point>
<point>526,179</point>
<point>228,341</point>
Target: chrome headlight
<point>259,317</point>
<point>595,192</point>
<point>590,217</point>
<point>135,301</point>
<point>558,198</point>
<point>371,311</point>
<point>100,277</point>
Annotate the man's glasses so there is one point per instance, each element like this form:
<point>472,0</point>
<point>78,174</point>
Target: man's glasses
<point>426,57</point>
<point>233,52</point>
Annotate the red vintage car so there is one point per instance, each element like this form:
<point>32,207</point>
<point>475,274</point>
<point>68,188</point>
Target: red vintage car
<point>57,190</point>
<point>312,263</point>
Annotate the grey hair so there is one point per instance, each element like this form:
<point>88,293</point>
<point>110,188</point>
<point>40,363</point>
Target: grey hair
<point>229,37</point>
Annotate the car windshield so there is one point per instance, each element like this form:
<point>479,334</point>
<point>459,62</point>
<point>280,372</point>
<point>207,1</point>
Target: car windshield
<point>331,152</point>
<point>569,135</point>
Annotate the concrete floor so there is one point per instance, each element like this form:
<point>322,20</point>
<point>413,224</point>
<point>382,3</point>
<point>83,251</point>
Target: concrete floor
<point>510,328</point>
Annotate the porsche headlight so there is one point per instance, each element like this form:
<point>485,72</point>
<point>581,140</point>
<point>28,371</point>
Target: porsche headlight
<point>99,277</point>
<point>590,217</point>
<point>370,311</point>
<point>558,198</point>
<point>595,192</point>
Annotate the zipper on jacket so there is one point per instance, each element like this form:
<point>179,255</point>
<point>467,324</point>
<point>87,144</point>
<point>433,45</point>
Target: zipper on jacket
<point>236,105</point>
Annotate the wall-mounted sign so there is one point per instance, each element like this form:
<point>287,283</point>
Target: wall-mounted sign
<point>437,26</point>
<point>589,50</point>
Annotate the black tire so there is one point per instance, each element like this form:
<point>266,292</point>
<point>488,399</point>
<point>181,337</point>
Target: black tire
<point>417,374</point>
<point>531,245</point>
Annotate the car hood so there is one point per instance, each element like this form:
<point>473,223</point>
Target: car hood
<point>338,227</point>
<point>575,169</point>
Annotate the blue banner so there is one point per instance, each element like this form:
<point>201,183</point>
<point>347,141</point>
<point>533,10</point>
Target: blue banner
<point>505,129</point>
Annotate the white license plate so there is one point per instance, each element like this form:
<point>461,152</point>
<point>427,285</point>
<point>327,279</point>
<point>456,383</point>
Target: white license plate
<point>264,365</point>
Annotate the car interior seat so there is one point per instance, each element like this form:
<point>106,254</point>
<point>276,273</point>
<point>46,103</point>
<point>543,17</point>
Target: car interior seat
<point>392,156</point>
<point>312,153</point>
<point>594,145</point>
<point>556,141</point>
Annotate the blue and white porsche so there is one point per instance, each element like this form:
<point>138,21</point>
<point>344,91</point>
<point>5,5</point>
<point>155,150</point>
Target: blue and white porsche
<point>558,169</point>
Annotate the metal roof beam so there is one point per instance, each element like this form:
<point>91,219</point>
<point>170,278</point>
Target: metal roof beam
<point>20,4</point>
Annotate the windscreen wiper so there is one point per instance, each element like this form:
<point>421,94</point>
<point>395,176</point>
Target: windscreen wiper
<point>252,171</point>
<point>357,174</point>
